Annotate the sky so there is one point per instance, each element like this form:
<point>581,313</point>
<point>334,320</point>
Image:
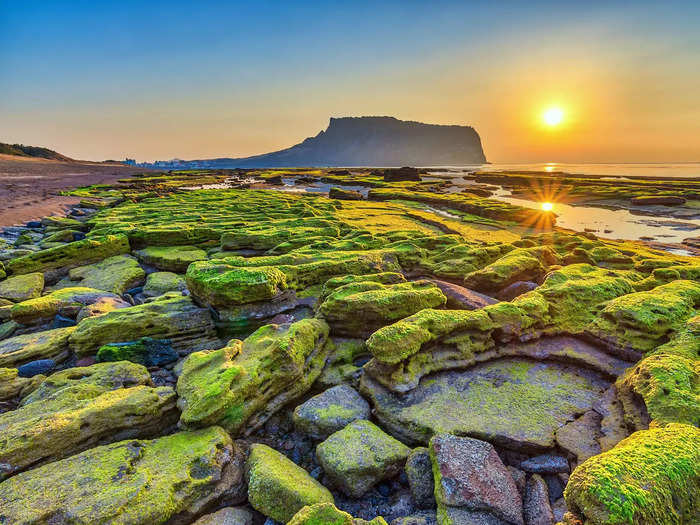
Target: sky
<point>157,80</point>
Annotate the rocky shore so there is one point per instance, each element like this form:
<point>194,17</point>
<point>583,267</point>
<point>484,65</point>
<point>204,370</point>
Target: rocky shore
<point>201,348</point>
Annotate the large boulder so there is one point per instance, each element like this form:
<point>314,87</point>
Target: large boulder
<point>471,478</point>
<point>115,274</point>
<point>522,264</point>
<point>330,411</point>
<point>75,419</point>
<point>172,317</point>
<point>516,403</point>
<point>360,308</point>
<point>170,480</point>
<point>277,487</point>
<point>650,477</point>
<point>359,456</point>
<point>22,287</point>
<point>239,387</point>
<point>171,258</point>
<point>20,349</point>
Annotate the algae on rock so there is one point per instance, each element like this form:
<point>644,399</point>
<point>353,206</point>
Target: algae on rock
<point>182,474</point>
<point>239,387</point>
<point>277,487</point>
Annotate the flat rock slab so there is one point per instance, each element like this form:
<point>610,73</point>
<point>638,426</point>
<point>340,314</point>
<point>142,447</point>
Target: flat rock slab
<point>512,402</point>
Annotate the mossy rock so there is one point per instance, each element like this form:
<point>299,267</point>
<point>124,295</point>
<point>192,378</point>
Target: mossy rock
<point>159,283</point>
<point>359,456</point>
<point>22,287</point>
<point>66,301</point>
<point>522,264</point>
<point>669,386</point>
<point>70,255</point>
<point>145,351</point>
<point>277,487</point>
<point>171,258</point>
<point>172,317</point>
<point>21,349</point>
<point>59,237</point>
<point>13,387</point>
<point>72,420</point>
<point>240,386</point>
<point>642,321</point>
<point>176,477</point>
<point>115,274</point>
<point>100,377</point>
<point>336,282</point>
<point>330,411</point>
<point>650,477</point>
<point>360,308</point>
<point>328,514</point>
<point>220,284</point>
<point>63,223</point>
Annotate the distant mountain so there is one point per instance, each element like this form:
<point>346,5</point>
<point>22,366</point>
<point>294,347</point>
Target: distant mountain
<point>21,150</point>
<point>365,141</point>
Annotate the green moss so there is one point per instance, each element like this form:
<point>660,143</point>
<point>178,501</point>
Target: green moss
<point>251,379</point>
<point>70,255</point>
<point>328,514</point>
<point>100,377</point>
<point>383,277</point>
<point>73,419</point>
<point>158,283</point>
<point>132,481</point>
<point>277,487</point>
<point>171,258</point>
<point>14,387</point>
<point>522,264</point>
<point>22,287</point>
<point>20,349</point>
<point>362,307</point>
<point>644,320</point>
<point>168,317</point>
<point>650,477</point>
<point>669,386</point>
<point>359,456</point>
<point>115,274</point>
<point>46,307</point>
<point>221,284</point>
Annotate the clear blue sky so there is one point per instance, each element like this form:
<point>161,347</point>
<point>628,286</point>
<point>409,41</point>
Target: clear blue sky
<point>155,79</point>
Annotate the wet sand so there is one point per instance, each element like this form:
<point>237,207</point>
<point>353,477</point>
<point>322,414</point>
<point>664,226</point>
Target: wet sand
<point>29,188</point>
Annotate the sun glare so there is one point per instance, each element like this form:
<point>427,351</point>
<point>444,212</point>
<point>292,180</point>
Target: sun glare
<point>553,116</point>
<point>547,206</point>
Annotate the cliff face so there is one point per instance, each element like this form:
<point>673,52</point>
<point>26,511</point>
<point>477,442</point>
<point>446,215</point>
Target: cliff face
<point>373,141</point>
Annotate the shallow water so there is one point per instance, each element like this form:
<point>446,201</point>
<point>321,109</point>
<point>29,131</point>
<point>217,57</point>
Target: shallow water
<point>670,169</point>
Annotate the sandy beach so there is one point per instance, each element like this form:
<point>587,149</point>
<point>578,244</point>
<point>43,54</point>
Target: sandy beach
<point>30,187</point>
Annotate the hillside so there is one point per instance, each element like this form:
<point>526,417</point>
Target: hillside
<point>20,150</point>
<point>367,141</point>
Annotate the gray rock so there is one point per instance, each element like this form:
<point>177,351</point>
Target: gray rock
<point>519,477</point>
<point>463,298</point>
<point>330,411</point>
<point>545,464</point>
<point>469,476</point>
<point>581,437</point>
<point>536,508</point>
<point>487,401</point>
<point>227,516</point>
<point>512,291</point>
<point>559,509</point>
<point>419,472</point>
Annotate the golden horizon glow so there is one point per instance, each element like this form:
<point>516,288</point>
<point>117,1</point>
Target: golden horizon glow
<point>553,116</point>
<point>547,206</point>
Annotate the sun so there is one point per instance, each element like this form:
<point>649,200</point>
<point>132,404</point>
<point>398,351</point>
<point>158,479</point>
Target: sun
<point>547,206</point>
<point>553,116</point>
